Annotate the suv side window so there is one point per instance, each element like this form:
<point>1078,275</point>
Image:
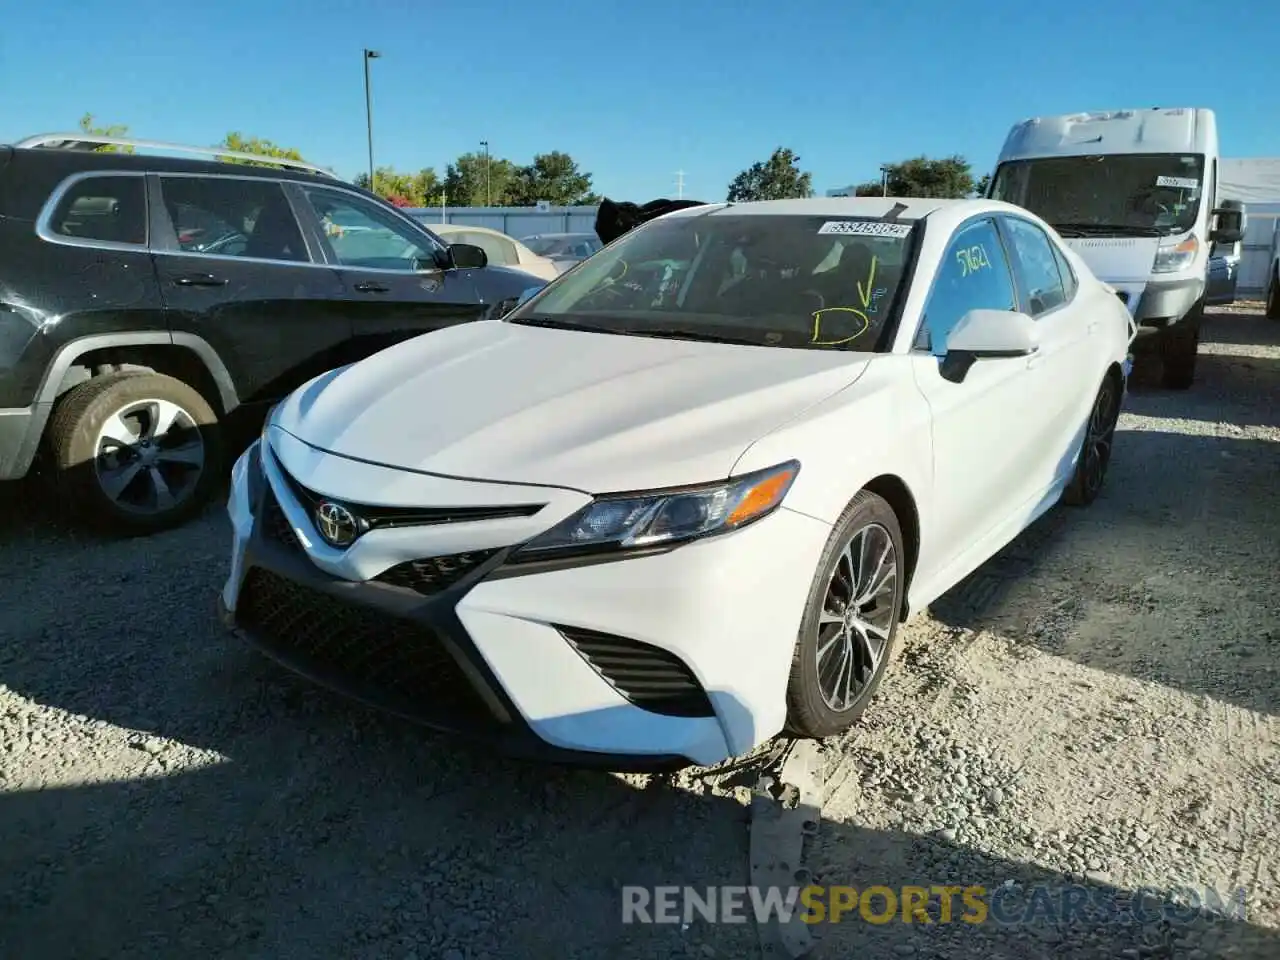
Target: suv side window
<point>233,217</point>
<point>363,236</point>
<point>1036,263</point>
<point>106,209</point>
<point>973,275</point>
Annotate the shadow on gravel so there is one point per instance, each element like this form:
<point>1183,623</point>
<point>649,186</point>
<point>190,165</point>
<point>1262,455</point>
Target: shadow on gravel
<point>1168,577</point>
<point>333,854</point>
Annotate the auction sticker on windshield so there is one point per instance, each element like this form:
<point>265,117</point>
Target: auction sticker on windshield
<point>866,228</point>
<point>1182,183</point>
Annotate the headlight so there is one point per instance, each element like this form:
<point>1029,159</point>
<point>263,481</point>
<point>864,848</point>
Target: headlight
<point>1172,257</point>
<point>628,521</point>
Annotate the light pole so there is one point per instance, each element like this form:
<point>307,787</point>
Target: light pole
<point>488,197</point>
<point>368,110</point>
<point>884,181</point>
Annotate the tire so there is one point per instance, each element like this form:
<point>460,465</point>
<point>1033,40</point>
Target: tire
<point>1273,298</point>
<point>107,479</point>
<point>1179,348</point>
<point>818,708</point>
<point>1095,450</point>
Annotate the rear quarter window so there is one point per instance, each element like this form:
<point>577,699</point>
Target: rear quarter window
<point>102,209</point>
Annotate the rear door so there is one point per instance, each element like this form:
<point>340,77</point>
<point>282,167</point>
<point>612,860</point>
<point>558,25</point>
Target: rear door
<point>236,270</point>
<point>394,284</point>
<point>1069,365</point>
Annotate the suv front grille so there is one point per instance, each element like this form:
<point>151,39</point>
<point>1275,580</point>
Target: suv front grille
<point>433,574</point>
<point>647,676</point>
<point>395,663</point>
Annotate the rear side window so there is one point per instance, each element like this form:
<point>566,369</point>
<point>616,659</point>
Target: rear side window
<point>230,217</point>
<point>1069,281</point>
<point>1036,262</point>
<point>106,209</point>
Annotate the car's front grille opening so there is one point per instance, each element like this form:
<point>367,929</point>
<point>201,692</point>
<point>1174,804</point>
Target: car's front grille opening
<point>647,676</point>
<point>275,525</point>
<point>395,663</point>
<point>432,574</point>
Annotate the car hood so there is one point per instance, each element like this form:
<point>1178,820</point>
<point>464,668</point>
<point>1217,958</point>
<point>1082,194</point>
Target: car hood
<point>489,400</point>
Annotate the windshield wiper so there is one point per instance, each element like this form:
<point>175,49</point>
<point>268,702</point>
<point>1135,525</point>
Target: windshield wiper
<point>559,323</point>
<point>1107,229</point>
<point>703,336</point>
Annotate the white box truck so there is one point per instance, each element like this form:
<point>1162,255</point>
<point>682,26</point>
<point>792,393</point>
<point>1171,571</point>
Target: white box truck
<point>1134,193</point>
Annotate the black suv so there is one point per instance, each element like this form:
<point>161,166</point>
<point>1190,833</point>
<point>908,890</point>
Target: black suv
<point>148,301</point>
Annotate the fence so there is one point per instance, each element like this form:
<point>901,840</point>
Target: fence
<point>515,222</point>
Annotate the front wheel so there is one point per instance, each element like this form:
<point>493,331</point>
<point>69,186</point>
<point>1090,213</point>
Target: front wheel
<point>135,452</point>
<point>1179,349</point>
<point>849,624</point>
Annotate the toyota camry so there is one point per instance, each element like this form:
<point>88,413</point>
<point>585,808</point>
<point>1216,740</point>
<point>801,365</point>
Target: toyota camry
<point>681,499</point>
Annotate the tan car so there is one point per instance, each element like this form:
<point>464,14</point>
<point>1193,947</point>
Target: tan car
<point>503,250</point>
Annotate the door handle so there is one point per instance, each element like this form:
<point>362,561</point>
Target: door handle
<point>370,287</point>
<point>200,280</point>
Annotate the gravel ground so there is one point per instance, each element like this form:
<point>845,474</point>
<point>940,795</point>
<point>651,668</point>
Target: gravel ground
<point>1095,706</point>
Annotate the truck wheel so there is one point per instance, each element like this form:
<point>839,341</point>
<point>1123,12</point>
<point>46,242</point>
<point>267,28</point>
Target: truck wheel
<point>1273,299</point>
<point>1179,347</point>
<point>135,452</point>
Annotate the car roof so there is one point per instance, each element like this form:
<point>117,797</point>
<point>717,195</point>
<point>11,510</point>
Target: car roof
<point>946,212</point>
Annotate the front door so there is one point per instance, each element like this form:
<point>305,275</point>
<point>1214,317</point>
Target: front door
<point>235,270</point>
<point>986,425</point>
<point>395,284</point>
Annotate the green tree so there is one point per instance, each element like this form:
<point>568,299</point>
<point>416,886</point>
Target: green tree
<point>264,148</point>
<point>778,178</point>
<point>114,130</point>
<point>465,183</point>
<point>983,183</point>
<point>555,178</point>
<point>402,188</point>
<point>949,177</point>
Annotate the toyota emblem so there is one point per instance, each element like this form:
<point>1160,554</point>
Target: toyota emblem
<point>337,524</point>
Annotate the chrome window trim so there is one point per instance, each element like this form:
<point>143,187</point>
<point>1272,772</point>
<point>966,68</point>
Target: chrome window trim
<point>45,231</point>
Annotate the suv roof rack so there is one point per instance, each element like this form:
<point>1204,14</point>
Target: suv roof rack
<point>77,141</point>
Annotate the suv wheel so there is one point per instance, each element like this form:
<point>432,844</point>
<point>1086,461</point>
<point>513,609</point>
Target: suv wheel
<point>135,452</point>
<point>1273,298</point>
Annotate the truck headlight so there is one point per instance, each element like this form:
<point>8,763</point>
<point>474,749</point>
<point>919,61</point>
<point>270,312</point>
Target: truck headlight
<point>634,521</point>
<point>1172,257</point>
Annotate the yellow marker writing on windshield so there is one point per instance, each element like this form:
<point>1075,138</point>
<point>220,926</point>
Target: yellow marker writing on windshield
<point>817,326</point>
<point>865,293</point>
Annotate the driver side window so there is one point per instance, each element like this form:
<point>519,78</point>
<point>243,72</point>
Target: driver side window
<point>361,235</point>
<point>973,275</point>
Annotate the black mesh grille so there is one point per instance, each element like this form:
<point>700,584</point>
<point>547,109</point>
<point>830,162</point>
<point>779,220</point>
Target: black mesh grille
<point>391,661</point>
<point>646,675</point>
<point>275,525</point>
<point>433,574</point>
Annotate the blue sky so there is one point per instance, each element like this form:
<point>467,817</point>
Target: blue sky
<point>634,91</point>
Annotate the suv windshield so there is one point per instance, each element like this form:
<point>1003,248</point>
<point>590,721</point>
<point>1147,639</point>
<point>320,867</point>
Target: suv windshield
<point>1118,194</point>
<point>818,282</point>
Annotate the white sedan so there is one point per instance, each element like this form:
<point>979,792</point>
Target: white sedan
<point>681,499</point>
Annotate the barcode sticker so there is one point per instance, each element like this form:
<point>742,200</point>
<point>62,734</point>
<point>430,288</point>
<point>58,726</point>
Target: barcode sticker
<point>1181,183</point>
<point>865,228</point>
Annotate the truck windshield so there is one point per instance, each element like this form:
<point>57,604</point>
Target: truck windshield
<point>1111,194</point>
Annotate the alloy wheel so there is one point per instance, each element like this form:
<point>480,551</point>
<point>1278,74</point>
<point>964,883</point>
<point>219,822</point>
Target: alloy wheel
<point>150,457</point>
<point>857,617</point>
<point>1099,437</point>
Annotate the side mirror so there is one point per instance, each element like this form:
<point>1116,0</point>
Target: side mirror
<point>467,256</point>
<point>1231,223</point>
<point>993,333</point>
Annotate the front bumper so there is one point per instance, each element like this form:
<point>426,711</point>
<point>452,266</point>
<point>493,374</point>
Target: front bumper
<point>650,663</point>
<point>1166,302</point>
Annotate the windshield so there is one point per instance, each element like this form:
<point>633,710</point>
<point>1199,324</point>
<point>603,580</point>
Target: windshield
<point>814,282</point>
<point>1127,193</point>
